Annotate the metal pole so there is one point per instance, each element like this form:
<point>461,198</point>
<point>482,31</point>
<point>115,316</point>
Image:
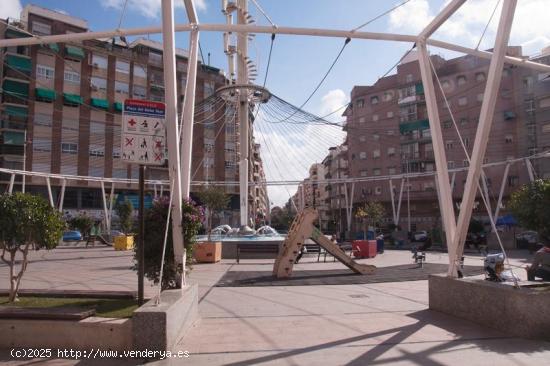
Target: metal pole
<point>392,201</point>
<point>12,180</point>
<point>111,199</point>
<point>189,113</point>
<point>399,203</point>
<point>172,131</point>
<point>24,178</point>
<point>482,135</point>
<point>408,200</point>
<point>50,195</point>
<point>446,201</point>
<point>529,169</point>
<point>242,78</point>
<point>501,193</point>
<point>104,200</point>
<point>62,197</point>
<point>141,241</point>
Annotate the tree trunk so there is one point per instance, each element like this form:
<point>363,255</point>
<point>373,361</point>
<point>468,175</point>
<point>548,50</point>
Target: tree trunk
<point>15,281</point>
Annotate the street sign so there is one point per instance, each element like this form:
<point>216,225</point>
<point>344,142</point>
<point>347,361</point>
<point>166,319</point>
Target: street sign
<point>143,132</point>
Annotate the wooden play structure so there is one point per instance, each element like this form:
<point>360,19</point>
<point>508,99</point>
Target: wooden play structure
<point>302,228</point>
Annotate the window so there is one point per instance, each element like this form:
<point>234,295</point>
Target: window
<point>209,88</point>
<point>376,137</point>
<point>209,144</point>
<point>45,72</point>
<point>462,101</point>
<point>449,144</point>
<point>376,171</point>
<point>407,92</point>
<point>407,113</point>
<point>528,82</point>
<point>72,77</point>
<point>99,62</point>
<point>122,66</point>
<point>120,173</point>
<point>362,138</point>
<point>361,119</point>
<point>69,148</point>
<point>480,76</point>
<point>447,124</point>
<point>544,102</point>
<point>378,190</point>
<point>389,114</point>
<point>41,145</point>
<point>374,117</point>
<point>376,153</point>
<point>360,103</point>
<point>465,163</point>
<point>390,132</point>
<point>479,97</point>
<point>363,173</point>
<point>446,84</point>
<point>97,150</point>
<point>409,78</point>
<point>98,83</point>
<point>96,171</point>
<point>391,170</point>
<point>466,141</point>
<point>362,155</point>
<point>121,87</point>
<point>546,128</point>
<point>374,100</point>
<point>97,128</point>
<point>461,80</point>
<point>42,119</point>
<point>41,29</point>
<point>116,152</point>
<point>506,73</point>
<point>208,162</point>
<point>155,58</point>
<point>509,139</point>
<point>388,95</point>
<point>513,181</point>
<point>139,92</point>
<point>450,164</point>
<point>140,71</point>
<point>463,121</point>
<point>391,151</point>
<point>529,106</point>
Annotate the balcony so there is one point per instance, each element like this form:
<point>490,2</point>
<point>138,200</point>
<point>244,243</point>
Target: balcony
<point>422,124</point>
<point>18,63</point>
<point>17,89</point>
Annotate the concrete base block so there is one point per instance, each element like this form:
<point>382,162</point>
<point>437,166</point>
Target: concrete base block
<point>523,312</point>
<point>86,334</point>
<point>159,328</point>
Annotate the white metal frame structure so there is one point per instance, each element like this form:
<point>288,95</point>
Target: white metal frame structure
<point>179,171</point>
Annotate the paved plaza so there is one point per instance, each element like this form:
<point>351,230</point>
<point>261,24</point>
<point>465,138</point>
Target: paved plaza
<point>356,324</point>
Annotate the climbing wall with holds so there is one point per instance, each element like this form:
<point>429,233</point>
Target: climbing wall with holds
<point>301,229</point>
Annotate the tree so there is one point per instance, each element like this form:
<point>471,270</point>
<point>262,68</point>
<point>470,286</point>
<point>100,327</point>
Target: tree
<point>82,223</point>
<point>25,221</point>
<point>155,226</point>
<point>214,199</point>
<point>531,206</point>
<point>372,213</point>
<point>125,211</point>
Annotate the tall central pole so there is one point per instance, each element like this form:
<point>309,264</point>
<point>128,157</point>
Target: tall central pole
<point>242,78</point>
<point>172,130</point>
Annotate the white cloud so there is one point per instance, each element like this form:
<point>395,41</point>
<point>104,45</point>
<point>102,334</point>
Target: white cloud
<point>148,8</point>
<point>465,27</point>
<point>10,9</point>
<point>333,102</point>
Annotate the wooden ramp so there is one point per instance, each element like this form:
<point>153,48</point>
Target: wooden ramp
<point>302,228</point>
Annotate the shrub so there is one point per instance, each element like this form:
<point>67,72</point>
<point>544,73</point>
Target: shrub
<point>81,223</point>
<point>25,221</point>
<point>214,200</point>
<point>125,211</point>
<point>530,205</point>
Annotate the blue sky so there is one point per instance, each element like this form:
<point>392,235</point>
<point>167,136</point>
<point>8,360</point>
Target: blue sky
<point>298,63</point>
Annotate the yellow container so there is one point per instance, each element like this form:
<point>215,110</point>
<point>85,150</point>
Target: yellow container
<point>208,252</point>
<point>124,242</point>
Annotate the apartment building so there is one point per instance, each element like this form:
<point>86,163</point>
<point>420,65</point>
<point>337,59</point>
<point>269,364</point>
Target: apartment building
<point>61,109</point>
<point>388,133</point>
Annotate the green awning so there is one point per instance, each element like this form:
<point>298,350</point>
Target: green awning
<point>117,106</point>
<point>14,138</point>
<point>14,111</point>
<point>16,88</point>
<point>100,103</point>
<point>14,33</point>
<point>419,88</point>
<point>422,124</point>
<point>509,115</point>
<point>75,52</point>
<point>22,64</point>
<point>72,99</point>
<point>45,95</point>
<point>52,46</point>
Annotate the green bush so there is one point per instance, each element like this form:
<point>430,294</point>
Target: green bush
<point>125,211</point>
<point>155,225</point>
<point>214,200</point>
<point>26,221</point>
<point>81,223</point>
<point>531,206</point>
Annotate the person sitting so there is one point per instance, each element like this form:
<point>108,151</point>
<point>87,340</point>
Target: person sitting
<point>541,264</point>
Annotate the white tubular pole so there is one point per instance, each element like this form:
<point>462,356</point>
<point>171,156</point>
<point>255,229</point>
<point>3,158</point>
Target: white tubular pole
<point>399,202</point>
<point>501,193</point>
<point>161,189</point>
<point>12,180</point>
<point>445,198</point>
<point>242,78</point>
<point>172,133</point>
<point>440,18</point>
<point>155,190</point>
<point>105,208</point>
<point>350,214</point>
<point>392,196</point>
<point>111,199</point>
<point>483,129</point>
<point>62,196</point>
<point>529,169</point>
<point>50,195</point>
<point>487,200</point>
<point>189,101</point>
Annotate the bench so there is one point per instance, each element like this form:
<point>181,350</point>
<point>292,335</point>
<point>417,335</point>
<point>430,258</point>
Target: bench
<point>256,248</point>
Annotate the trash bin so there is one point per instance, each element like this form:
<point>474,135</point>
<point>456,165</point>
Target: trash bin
<point>380,245</point>
<point>364,248</point>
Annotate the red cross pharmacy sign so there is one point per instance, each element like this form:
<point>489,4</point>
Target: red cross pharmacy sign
<point>143,132</point>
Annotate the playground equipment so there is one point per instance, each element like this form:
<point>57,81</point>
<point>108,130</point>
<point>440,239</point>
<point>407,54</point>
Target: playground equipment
<point>302,228</point>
